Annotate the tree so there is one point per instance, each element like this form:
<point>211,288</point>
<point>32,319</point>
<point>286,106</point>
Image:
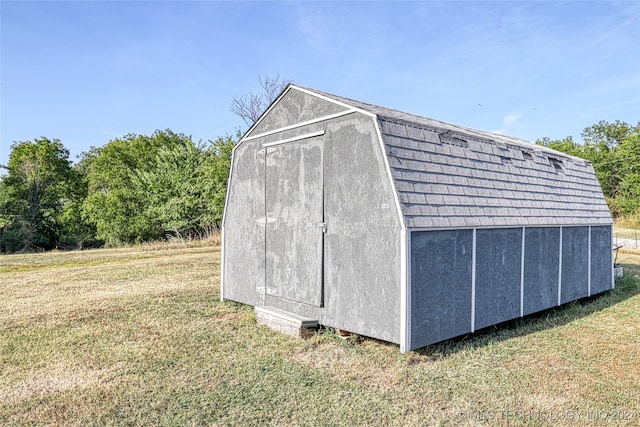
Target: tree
<point>187,186</point>
<point>614,151</point>
<point>602,142</point>
<point>217,170</point>
<point>142,188</point>
<point>115,205</point>
<point>38,189</point>
<point>134,189</point>
<point>251,106</point>
<point>627,165</point>
<point>4,216</point>
<point>76,232</point>
<point>566,145</point>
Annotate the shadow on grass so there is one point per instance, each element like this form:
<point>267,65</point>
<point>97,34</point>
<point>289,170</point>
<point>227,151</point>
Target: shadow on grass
<point>626,287</point>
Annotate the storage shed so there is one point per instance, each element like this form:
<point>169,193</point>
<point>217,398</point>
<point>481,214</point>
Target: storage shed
<point>404,228</point>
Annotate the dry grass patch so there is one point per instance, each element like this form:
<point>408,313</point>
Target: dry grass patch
<point>138,336</point>
<point>55,380</point>
<point>344,362</point>
<point>59,290</point>
<point>626,233</point>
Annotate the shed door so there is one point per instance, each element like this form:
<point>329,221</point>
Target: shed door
<point>294,220</point>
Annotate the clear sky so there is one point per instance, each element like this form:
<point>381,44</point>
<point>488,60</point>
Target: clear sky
<point>89,72</point>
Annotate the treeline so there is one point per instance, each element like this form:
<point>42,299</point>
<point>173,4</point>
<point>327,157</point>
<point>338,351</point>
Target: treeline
<point>614,151</point>
<point>134,189</point>
<point>141,188</point>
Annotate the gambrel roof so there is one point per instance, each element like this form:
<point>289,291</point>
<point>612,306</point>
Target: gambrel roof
<point>449,176</point>
<point>452,176</point>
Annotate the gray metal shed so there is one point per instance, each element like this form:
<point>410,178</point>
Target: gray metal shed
<point>403,228</point>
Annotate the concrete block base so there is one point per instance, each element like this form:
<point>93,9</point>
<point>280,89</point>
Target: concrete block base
<point>286,322</point>
<point>618,271</point>
<point>345,335</point>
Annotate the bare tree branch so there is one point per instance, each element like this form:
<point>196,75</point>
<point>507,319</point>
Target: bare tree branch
<point>251,106</point>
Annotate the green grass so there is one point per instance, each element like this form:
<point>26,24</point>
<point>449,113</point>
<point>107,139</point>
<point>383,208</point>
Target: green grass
<point>138,336</point>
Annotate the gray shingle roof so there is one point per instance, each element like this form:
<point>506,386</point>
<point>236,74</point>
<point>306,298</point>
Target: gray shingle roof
<point>452,176</point>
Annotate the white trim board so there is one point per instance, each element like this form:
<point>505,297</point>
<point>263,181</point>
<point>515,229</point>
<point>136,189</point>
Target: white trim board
<point>589,264</point>
<point>613,269</point>
<point>293,139</point>
<point>385,157</point>
<point>560,270</point>
<point>473,282</point>
<point>334,101</point>
<point>263,115</point>
<point>298,125</point>
<point>524,230</point>
<point>222,263</point>
<point>405,290</point>
<point>492,227</point>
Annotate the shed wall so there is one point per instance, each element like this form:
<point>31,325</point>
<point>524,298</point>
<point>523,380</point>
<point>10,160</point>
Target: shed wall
<point>362,242</point>
<point>244,234</point>
<point>462,191</point>
<point>498,254</point>
<point>298,107</point>
<point>441,275</point>
<point>540,284</point>
<point>363,232</point>
<point>361,246</point>
<point>574,283</point>
<point>460,284</point>
<point>601,259</point>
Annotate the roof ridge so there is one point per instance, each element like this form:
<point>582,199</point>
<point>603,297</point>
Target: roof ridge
<point>392,114</point>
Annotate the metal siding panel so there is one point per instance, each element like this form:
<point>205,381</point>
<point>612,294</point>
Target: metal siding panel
<point>601,259</point>
<point>440,285</point>
<point>575,279</point>
<point>498,255</point>
<point>541,268</point>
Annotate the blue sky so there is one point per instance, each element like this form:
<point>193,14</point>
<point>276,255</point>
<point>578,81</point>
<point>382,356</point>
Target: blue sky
<point>89,72</point>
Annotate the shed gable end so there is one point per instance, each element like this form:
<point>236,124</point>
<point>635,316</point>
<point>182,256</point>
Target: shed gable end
<point>294,107</point>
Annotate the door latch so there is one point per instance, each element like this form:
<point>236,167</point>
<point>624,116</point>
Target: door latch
<point>323,225</point>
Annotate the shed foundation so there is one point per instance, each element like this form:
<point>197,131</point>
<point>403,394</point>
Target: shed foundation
<point>286,322</point>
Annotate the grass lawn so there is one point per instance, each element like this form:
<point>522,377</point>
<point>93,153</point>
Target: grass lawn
<point>626,233</point>
<point>138,336</point>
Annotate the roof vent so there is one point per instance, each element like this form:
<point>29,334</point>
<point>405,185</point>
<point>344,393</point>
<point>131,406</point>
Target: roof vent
<point>556,163</point>
<point>447,138</point>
